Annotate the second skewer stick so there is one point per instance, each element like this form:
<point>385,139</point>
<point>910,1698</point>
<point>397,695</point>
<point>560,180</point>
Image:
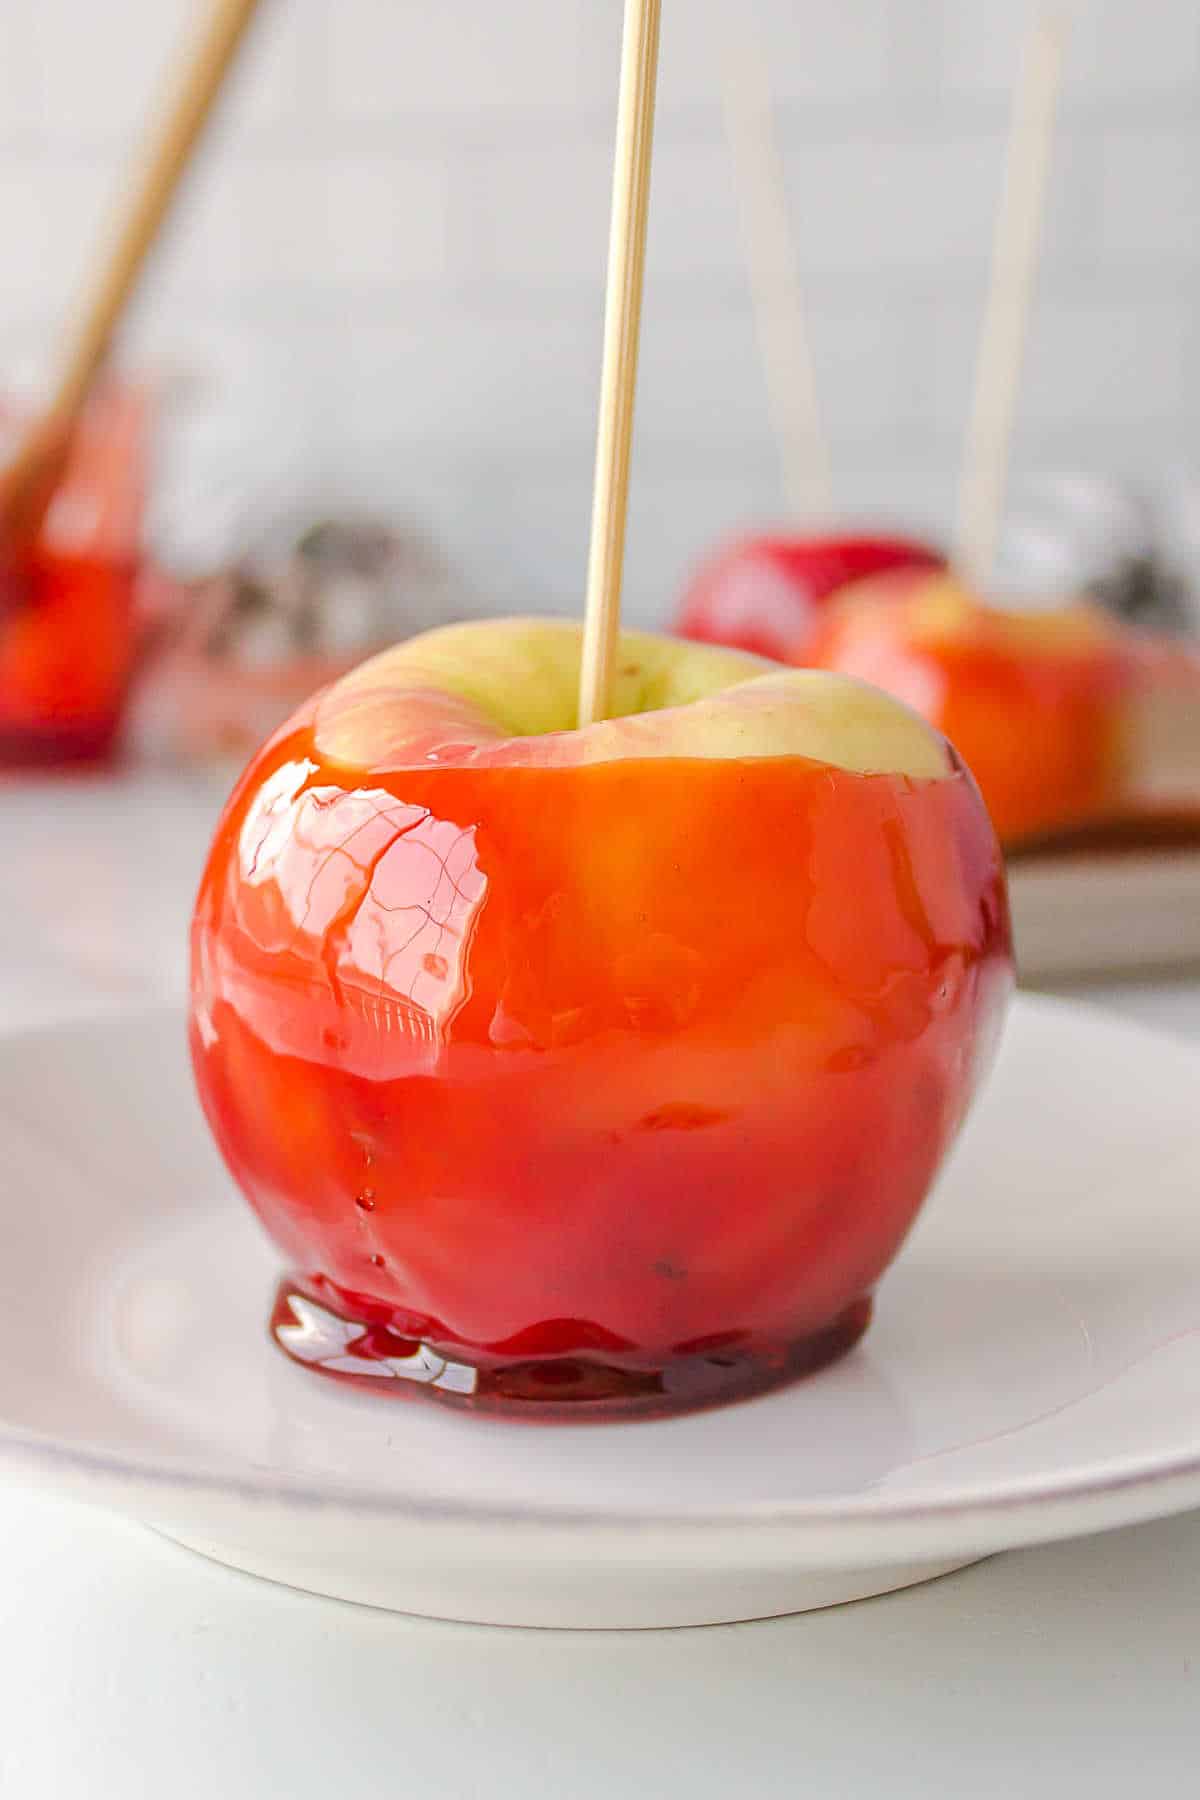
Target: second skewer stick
<point>1006,314</point>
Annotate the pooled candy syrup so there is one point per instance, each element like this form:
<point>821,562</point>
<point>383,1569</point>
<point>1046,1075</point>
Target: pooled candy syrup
<point>378,1357</point>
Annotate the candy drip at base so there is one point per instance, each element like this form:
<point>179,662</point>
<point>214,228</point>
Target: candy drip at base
<point>574,1387</point>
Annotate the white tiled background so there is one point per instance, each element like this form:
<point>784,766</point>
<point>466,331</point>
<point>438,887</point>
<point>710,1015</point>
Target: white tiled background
<point>388,269</point>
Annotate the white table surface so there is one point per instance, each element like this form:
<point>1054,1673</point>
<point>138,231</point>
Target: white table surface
<point>128,1667</point>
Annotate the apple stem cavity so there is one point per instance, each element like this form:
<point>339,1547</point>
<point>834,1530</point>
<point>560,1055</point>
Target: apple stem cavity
<point>618,381</point>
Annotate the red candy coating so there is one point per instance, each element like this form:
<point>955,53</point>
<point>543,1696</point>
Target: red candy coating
<point>617,1085</point>
<point>766,594</point>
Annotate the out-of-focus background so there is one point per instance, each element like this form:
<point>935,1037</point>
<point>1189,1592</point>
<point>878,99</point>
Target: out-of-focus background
<point>357,396</point>
<point>385,278</point>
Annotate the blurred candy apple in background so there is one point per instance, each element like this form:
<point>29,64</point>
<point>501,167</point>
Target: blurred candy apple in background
<point>766,594</point>
<point>68,616</point>
<point>598,1068</point>
<point>1065,718</point>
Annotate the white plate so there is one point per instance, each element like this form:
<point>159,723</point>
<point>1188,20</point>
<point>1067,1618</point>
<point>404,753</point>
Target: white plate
<point>1105,912</point>
<point>1033,1370</point>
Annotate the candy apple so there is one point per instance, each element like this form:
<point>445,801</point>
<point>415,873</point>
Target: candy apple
<point>1065,717</point>
<point>69,621</point>
<point>766,594</point>
<point>595,1069</point>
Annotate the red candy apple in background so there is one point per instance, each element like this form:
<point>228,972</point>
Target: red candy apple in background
<point>1065,718</point>
<point>766,594</point>
<point>599,1067</point>
<point>69,625</point>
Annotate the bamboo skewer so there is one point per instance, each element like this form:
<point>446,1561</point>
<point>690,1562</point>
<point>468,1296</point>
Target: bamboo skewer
<point>618,380</point>
<point>769,243</point>
<point>24,484</point>
<point>1006,314</point>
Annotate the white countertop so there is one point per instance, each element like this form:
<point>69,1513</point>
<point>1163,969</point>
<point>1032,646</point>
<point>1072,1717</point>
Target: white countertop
<point>128,1666</point>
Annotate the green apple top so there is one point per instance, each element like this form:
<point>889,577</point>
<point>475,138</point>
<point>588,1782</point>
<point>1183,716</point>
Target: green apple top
<point>503,692</point>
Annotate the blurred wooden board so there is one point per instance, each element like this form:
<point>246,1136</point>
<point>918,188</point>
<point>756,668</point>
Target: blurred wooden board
<point>1108,904</point>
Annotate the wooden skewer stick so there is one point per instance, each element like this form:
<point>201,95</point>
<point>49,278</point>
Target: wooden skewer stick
<point>618,380</point>
<point>773,263</point>
<point>1006,314</point>
<point>138,222</point>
